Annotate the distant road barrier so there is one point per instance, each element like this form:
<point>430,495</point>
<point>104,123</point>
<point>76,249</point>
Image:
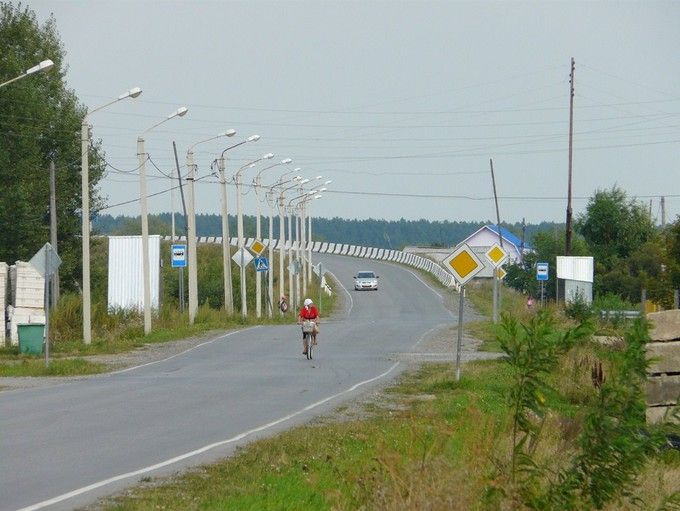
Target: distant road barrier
<point>378,254</point>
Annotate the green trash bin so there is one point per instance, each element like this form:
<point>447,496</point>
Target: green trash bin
<point>31,338</point>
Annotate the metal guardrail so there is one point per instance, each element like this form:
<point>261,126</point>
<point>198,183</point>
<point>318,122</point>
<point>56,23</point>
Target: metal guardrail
<point>606,314</point>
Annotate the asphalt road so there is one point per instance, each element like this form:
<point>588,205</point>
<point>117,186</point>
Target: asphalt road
<point>64,446</point>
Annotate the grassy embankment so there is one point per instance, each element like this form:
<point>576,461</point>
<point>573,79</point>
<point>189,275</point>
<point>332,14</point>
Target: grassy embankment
<point>429,442</point>
<point>123,331</point>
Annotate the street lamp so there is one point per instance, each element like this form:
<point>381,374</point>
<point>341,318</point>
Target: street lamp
<point>85,208</point>
<point>282,235</point>
<point>191,227</point>
<point>226,252</point>
<point>180,112</point>
<point>43,66</point>
<point>239,226</point>
<point>299,235</point>
<point>258,234</point>
<point>309,233</point>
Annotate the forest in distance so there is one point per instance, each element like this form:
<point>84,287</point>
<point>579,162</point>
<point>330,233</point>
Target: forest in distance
<point>390,234</point>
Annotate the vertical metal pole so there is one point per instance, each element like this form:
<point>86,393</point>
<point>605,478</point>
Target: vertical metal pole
<point>181,289</point>
<point>320,281</point>
<point>291,298</point>
<point>85,227</point>
<point>676,299</point>
<point>48,254</point>
<point>461,300</point>
<point>226,251</point>
<point>145,236</point>
<point>309,246</point>
<point>53,230</point>
<point>303,246</point>
<point>298,296</point>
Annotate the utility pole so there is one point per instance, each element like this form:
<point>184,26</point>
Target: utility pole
<point>53,230</point>
<point>663,212</point>
<point>496,287</point>
<point>567,244</point>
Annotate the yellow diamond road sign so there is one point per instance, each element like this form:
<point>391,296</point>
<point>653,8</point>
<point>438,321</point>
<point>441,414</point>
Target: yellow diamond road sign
<point>257,247</point>
<point>496,255</point>
<point>501,273</point>
<point>463,263</point>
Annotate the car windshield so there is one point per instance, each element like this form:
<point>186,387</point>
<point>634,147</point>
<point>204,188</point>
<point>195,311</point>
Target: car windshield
<point>365,275</point>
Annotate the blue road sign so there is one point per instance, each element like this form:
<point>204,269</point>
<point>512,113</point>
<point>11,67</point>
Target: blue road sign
<point>179,256</point>
<point>261,264</point>
<point>542,271</point>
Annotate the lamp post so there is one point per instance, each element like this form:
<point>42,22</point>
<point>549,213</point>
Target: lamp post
<point>85,209</point>
<point>298,229</point>
<point>180,112</point>
<point>309,233</point>
<point>282,235</point>
<point>258,232</point>
<point>191,227</point>
<point>43,66</point>
<point>226,252</point>
<point>239,226</point>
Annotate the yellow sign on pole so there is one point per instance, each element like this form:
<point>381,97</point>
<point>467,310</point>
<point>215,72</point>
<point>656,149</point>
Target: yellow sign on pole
<point>496,255</point>
<point>501,273</point>
<point>463,263</point>
<point>257,247</point>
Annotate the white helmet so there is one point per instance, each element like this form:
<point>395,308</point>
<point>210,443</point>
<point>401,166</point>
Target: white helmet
<point>308,301</point>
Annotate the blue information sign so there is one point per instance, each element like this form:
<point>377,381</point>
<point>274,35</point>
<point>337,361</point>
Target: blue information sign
<point>178,257</point>
<point>261,264</point>
<point>542,271</point>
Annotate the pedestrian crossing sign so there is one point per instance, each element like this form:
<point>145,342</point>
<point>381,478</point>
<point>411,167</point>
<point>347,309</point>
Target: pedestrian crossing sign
<point>261,264</point>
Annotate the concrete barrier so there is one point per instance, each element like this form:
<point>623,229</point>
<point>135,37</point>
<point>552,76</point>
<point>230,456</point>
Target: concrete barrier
<point>663,373</point>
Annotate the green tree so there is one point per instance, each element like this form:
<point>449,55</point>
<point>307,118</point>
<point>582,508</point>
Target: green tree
<point>40,123</point>
<point>614,226</point>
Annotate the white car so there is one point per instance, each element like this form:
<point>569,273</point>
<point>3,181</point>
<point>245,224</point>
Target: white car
<point>366,281</point>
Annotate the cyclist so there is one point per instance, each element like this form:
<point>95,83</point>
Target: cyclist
<point>309,312</point>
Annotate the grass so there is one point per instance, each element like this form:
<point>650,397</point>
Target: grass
<point>428,443</point>
<point>24,366</point>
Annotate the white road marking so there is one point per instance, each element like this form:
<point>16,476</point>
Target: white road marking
<point>206,448</point>
<point>351,301</point>
<point>181,353</point>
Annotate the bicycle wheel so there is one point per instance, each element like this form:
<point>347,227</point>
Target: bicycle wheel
<point>306,345</point>
<point>309,346</point>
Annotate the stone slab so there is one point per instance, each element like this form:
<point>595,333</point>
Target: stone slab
<point>657,415</point>
<point>663,390</point>
<point>665,357</point>
<point>665,325</point>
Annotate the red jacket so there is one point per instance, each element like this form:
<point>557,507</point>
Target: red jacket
<point>311,313</point>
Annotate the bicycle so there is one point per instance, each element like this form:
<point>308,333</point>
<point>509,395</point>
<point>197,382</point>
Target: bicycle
<point>307,341</point>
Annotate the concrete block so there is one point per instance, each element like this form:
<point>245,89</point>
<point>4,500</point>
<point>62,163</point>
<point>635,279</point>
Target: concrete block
<point>665,357</point>
<point>665,325</point>
<point>660,414</point>
<point>663,390</point>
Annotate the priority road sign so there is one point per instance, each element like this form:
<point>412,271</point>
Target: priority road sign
<point>257,246</point>
<point>463,263</point>
<point>261,264</point>
<point>500,273</point>
<point>496,255</point>
<point>242,257</point>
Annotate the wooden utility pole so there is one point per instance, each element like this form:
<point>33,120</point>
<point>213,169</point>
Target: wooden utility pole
<point>53,230</point>
<point>567,245</point>
<point>496,286</point>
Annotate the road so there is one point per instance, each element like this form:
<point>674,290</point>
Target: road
<point>64,446</point>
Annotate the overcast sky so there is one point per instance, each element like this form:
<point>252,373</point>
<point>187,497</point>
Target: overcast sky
<point>401,104</point>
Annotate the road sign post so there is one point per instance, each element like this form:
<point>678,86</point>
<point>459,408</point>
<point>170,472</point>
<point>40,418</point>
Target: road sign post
<point>542,275</point>
<point>496,256</point>
<point>178,259</point>
<point>464,264</point>
<point>46,262</point>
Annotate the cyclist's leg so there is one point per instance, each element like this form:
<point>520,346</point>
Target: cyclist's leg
<point>304,343</point>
